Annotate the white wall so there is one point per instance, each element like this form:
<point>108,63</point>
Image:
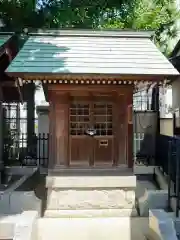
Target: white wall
<point>43,128</point>
<point>176,94</point>
<point>43,119</point>
<point>166,126</point>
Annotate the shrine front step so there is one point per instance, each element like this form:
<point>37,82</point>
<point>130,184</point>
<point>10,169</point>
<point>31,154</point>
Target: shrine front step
<point>91,196</point>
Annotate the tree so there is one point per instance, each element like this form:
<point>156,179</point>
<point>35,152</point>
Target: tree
<point>157,15</point>
<point>160,16</point>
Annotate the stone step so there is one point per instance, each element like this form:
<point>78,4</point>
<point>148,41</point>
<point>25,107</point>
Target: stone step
<point>91,213</point>
<point>125,228</point>
<point>89,171</point>
<point>70,182</point>
<point>90,199</point>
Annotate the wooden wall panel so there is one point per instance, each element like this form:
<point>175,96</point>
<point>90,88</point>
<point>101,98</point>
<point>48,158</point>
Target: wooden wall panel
<point>59,105</point>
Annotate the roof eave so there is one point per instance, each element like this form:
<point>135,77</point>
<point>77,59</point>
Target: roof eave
<point>3,46</point>
<point>59,76</point>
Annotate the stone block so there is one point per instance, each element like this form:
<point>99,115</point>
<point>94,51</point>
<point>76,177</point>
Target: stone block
<point>161,227</point>
<point>153,199</point>
<point>7,223</point>
<point>26,226</point>
<point>90,199</point>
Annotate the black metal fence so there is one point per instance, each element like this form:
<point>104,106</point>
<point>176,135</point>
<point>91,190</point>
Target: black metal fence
<point>17,152</point>
<point>168,161</point>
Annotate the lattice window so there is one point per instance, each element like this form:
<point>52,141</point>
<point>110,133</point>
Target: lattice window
<point>103,119</point>
<point>79,118</point>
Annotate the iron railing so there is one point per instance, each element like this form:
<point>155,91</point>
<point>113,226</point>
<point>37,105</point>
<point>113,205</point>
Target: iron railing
<point>168,161</point>
<point>17,152</point>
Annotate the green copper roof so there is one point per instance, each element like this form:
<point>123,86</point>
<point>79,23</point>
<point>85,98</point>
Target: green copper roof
<point>4,39</point>
<point>93,53</point>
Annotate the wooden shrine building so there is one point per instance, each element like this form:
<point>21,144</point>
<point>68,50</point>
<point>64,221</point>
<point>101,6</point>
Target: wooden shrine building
<point>88,79</point>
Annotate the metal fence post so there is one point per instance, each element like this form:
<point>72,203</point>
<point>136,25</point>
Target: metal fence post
<point>169,173</point>
<point>177,177</point>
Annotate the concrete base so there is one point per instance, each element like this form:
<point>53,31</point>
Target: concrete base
<point>161,226</point>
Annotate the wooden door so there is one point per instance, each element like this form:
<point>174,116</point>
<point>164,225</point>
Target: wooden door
<point>84,149</point>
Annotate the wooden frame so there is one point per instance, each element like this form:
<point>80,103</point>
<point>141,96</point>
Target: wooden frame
<point>120,96</point>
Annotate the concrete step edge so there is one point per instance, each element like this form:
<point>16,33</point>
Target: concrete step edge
<point>91,182</point>
<point>88,213</point>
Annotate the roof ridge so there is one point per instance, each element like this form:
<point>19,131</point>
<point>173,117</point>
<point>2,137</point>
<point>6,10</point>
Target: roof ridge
<point>93,33</point>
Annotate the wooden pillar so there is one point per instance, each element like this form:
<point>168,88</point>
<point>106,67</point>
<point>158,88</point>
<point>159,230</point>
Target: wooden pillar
<point>122,128</point>
<point>52,125</point>
<point>59,107</point>
<point>30,114</point>
<point>130,127</point>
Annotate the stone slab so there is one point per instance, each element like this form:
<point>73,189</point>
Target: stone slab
<point>70,182</point>
<point>124,228</point>
<point>91,213</point>
<point>90,199</point>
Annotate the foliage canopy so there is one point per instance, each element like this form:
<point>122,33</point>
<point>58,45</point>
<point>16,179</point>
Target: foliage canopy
<point>157,15</point>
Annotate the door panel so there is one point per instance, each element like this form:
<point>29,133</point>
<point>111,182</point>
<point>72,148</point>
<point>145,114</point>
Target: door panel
<point>79,121</point>
<point>103,150</point>
<point>99,116</point>
<point>80,150</point>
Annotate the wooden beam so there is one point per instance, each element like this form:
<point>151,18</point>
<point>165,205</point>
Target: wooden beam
<point>90,88</point>
<point>8,84</point>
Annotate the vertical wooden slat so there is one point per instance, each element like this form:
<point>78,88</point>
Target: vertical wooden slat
<point>92,139</point>
<point>115,118</point>
<point>47,162</point>
<point>67,127</point>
